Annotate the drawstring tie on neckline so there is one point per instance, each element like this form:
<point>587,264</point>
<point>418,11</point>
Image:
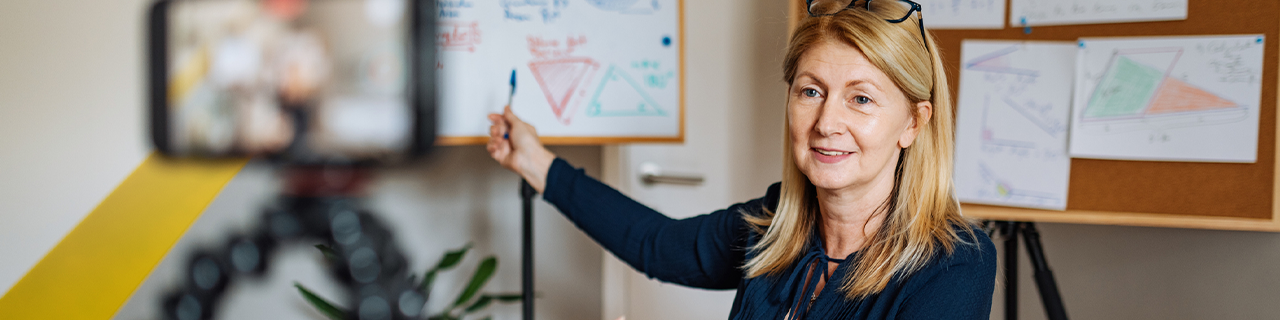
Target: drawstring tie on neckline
<point>820,255</point>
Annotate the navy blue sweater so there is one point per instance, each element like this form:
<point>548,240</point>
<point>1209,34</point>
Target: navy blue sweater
<point>707,252</point>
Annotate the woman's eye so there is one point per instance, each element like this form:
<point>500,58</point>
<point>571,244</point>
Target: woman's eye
<point>861,100</point>
<point>808,92</point>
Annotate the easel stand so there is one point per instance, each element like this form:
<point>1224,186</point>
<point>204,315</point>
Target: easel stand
<point>1048,288</point>
<point>526,247</point>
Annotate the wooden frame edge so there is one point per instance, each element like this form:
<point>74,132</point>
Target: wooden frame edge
<point>1275,174</point>
<point>571,141</point>
<point>684,84</point>
<point>1120,218</point>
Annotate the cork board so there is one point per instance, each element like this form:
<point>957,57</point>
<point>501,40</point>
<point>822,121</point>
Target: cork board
<point>1150,193</point>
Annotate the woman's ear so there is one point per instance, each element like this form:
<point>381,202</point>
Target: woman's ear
<point>924,111</point>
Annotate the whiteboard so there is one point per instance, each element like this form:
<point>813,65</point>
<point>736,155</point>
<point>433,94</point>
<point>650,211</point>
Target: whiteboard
<point>593,71</point>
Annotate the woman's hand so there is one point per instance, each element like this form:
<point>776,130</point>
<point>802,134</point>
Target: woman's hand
<point>515,145</point>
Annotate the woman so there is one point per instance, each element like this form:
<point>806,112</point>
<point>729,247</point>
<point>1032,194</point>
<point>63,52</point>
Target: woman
<point>866,201</point>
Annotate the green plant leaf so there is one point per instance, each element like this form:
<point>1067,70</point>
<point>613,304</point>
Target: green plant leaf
<point>452,258</point>
<point>427,279</point>
<point>442,316</point>
<point>328,251</point>
<point>449,260</point>
<point>482,275</point>
<point>480,303</point>
<point>508,297</point>
<point>325,307</point>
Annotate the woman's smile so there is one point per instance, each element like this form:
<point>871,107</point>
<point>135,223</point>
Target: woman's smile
<point>825,155</point>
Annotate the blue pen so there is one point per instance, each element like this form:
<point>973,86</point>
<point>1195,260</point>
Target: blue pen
<point>510,98</point>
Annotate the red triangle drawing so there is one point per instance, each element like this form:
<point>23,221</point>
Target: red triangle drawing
<point>1178,96</point>
<point>559,79</point>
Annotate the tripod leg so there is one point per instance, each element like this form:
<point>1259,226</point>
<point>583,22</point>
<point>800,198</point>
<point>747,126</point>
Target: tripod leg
<point>526,268</point>
<point>1010,232</point>
<point>1053,306</point>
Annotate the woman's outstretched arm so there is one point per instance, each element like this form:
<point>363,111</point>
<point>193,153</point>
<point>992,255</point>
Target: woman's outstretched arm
<point>703,251</point>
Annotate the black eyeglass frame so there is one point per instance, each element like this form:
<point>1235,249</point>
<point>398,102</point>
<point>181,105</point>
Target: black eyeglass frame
<point>915,8</point>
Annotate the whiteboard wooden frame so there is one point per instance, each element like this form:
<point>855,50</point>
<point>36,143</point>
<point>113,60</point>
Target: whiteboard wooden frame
<point>571,140</point>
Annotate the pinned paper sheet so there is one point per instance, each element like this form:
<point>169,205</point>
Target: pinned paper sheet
<point>1011,132</point>
<point>1063,12</point>
<point>1168,98</point>
<point>963,14</point>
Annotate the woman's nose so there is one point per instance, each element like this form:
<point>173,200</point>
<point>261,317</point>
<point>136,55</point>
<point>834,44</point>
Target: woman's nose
<point>830,120</point>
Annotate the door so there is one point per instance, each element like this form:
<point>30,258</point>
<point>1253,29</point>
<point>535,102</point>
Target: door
<point>733,139</point>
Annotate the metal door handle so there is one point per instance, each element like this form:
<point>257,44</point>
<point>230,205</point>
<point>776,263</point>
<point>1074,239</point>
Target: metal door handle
<point>651,173</point>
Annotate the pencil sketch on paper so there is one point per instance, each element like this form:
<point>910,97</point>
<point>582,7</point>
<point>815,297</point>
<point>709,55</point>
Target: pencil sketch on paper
<point>1168,98</point>
<point>964,14</point>
<point>1012,123</point>
<point>1136,92</point>
<point>1067,12</point>
<point>1014,112</point>
<point>562,77</point>
<point>996,188</point>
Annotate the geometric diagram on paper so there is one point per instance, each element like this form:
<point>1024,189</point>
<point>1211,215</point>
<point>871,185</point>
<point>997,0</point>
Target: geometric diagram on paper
<point>1001,189</point>
<point>998,62</point>
<point>459,36</point>
<point>562,80</point>
<point>1136,86</point>
<point>624,97</point>
<point>1035,116</point>
<point>626,6</point>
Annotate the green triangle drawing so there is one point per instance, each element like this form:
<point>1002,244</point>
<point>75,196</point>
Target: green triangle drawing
<point>620,95</point>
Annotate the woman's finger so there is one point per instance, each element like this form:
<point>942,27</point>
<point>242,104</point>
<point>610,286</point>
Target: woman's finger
<point>510,116</point>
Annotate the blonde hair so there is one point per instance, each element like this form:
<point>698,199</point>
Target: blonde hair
<point>922,209</point>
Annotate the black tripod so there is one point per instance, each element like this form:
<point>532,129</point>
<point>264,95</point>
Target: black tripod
<point>1048,288</point>
<point>323,205</point>
<point>526,248</point>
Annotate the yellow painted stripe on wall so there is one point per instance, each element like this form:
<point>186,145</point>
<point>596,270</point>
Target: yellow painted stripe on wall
<point>96,267</point>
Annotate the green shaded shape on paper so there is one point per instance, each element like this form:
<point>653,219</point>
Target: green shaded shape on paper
<point>1125,90</point>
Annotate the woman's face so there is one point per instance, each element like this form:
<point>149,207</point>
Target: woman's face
<point>847,119</point>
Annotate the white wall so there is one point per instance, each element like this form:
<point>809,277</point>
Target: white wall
<point>70,118</point>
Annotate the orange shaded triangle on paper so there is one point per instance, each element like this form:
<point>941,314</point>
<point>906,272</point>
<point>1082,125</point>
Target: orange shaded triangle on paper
<point>559,78</point>
<point>1178,96</point>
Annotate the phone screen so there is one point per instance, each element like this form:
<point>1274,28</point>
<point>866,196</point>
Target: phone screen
<point>303,81</point>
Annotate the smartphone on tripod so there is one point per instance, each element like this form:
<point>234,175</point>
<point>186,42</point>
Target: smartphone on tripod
<point>294,81</point>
